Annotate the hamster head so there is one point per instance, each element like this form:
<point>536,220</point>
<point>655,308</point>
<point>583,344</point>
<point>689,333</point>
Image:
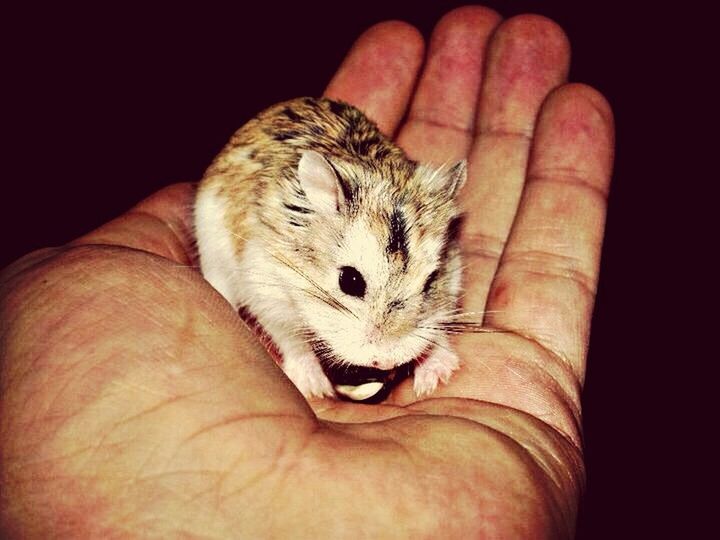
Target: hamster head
<point>374,268</point>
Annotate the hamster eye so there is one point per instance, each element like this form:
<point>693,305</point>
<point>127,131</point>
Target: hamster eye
<point>351,282</point>
<point>430,280</point>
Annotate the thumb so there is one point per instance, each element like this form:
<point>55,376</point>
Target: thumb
<point>161,224</point>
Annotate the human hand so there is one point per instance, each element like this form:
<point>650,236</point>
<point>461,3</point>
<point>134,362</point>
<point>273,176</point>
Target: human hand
<point>135,402</point>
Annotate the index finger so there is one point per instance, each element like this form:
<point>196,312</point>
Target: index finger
<point>378,74</point>
<point>161,224</point>
<point>439,127</point>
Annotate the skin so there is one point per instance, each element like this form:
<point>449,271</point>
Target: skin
<point>134,402</point>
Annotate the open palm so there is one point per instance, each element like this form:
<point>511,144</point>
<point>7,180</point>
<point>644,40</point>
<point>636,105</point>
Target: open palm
<point>134,401</point>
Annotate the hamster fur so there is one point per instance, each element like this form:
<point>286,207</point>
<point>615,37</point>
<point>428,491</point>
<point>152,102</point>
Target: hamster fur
<point>339,245</point>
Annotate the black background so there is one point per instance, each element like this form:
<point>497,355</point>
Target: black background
<point>104,106</point>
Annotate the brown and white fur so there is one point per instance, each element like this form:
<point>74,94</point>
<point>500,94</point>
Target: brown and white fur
<point>309,187</point>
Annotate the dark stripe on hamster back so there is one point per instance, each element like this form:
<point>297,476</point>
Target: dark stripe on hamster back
<point>337,108</point>
<point>299,209</point>
<point>285,135</point>
<point>292,115</point>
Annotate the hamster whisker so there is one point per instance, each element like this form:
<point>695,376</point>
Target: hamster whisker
<point>459,316</point>
<point>325,353</point>
<point>431,341</point>
<point>465,327</point>
<point>322,298</point>
<point>328,298</point>
<point>284,286</point>
<point>460,312</point>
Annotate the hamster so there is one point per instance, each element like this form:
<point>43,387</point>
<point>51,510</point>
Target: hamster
<point>342,248</point>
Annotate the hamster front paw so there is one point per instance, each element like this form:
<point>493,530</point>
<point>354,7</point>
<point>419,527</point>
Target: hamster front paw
<point>305,372</point>
<point>438,366</point>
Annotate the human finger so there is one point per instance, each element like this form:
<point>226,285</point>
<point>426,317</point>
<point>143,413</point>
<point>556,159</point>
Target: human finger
<point>527,57</point>
<point>441,119</point>
<point>160,224</point>
<point>379,73</point>
<point>546,282</point>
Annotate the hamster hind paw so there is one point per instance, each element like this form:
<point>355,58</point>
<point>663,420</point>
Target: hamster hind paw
<point>305,373</point>
<point>437,367</point>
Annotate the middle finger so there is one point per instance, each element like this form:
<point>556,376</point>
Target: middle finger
<point>440,123</point>
<point>528,56</point>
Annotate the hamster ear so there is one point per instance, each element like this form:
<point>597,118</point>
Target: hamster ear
<point>456,177</point>
<point>445,182</point>
<point>319,181</point>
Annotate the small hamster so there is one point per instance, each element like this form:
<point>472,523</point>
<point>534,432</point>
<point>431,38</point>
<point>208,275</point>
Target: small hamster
<point>342,248</point>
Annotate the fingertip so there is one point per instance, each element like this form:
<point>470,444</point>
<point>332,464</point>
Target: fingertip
<point>575,134</point>
<point>379,73</point>
<point>440,124</point>
<point>533,26</point>
<point>528,57</point>
<point>388,42</point>
<point>403,37</point>
<point>536,37</point>
<point>577,104</point>
<point>467,16</point>
<point>169,198</point>
<point>580,94</point>
<point>161,224</point>
<point>173,205</point>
